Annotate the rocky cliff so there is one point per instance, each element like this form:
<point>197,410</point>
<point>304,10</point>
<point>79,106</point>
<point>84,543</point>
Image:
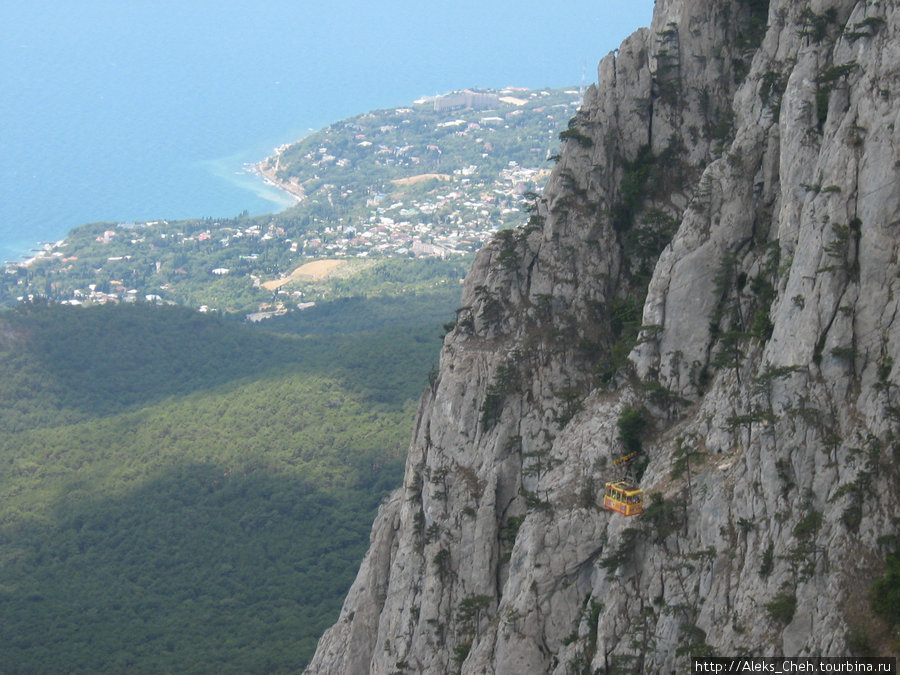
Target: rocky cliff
<point>709,279</point>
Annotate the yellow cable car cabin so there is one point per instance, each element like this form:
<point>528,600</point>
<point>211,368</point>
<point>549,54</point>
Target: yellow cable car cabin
<point>624,498</point>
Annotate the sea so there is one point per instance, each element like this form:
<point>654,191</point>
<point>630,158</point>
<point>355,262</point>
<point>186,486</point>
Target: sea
<point>155,109</point>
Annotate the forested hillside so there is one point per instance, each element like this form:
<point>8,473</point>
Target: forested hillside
<point>181,492</point>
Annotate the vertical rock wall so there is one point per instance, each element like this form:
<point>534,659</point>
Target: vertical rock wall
<point>715,256</point>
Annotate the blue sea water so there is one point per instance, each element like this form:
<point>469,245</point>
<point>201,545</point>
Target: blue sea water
<point>144,110</point>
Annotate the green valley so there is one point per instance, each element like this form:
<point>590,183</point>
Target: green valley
<point>182,492</point>
<point>199,418</point>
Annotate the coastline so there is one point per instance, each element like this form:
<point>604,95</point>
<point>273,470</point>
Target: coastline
<point>268,168</point>
<point>264,170</point>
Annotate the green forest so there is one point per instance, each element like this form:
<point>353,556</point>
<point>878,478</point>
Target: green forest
<point>181,492</point>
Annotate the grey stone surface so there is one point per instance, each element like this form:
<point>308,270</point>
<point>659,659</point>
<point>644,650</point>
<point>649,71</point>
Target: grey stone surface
<point>781,180</point>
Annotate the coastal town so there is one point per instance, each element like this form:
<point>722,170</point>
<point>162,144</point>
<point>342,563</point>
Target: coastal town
<point>457,219</point>
<point>440,177</point>
<point>434,180</point>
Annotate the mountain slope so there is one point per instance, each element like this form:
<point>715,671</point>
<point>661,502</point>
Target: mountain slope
<point>708,277</point>
<point>180,492</point>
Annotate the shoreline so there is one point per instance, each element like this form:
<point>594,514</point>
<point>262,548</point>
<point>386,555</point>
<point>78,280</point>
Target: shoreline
<point>268,172</point>
<point>261,170</point>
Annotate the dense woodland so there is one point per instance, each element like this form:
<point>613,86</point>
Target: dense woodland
<point>180,492</point>
<point>183,492</point>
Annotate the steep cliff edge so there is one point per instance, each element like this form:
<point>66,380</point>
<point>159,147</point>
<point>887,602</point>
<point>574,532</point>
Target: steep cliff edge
<point>710,277</point>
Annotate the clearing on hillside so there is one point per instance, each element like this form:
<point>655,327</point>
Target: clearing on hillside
<point>311,271</point>
<point>412,180</point>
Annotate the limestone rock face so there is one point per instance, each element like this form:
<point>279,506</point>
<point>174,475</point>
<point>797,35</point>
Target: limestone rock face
<point>710,275</point>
